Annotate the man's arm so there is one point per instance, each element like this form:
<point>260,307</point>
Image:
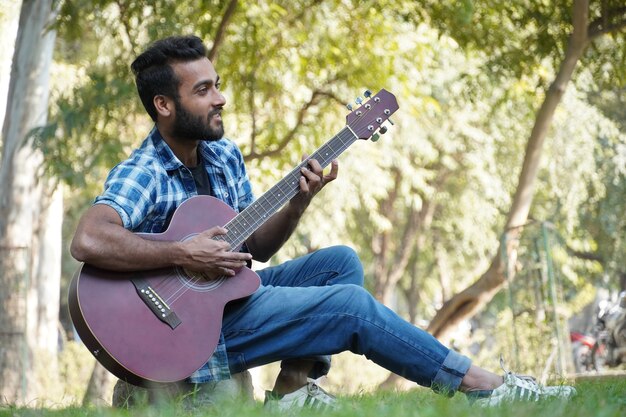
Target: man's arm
<point>268,238</point>
<point>102,241</point>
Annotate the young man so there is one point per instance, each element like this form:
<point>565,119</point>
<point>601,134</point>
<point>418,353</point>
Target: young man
<point>305,308</point>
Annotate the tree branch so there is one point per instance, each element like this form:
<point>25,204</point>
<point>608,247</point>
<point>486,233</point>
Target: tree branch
<point>587,256</point>
<point>601,25</point>
<point>380,240</point>
<point>221,30</point>
<point>580,16</point>
<point>314,100</point>
<point>608,29</point>
<point>125,24</point>
<point>253,133</point>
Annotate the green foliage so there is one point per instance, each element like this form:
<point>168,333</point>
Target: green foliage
<point>585,205</point>
<point>600,216</point>
<point>520,35</point>
<point>282,94</point>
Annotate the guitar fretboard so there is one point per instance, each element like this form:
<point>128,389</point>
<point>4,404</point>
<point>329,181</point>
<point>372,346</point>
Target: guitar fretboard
<point>257,213</point>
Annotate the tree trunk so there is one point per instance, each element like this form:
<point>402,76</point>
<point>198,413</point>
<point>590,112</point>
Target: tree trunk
<point>471,300</point>
<point>43,302</point>
<point>9,19</point>
<point>100,386</point>
<point>393,253</point>
<point>23,314</point>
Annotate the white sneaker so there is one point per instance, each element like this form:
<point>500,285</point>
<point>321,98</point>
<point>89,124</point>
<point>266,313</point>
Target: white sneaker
<point>310,395</point>
<point>523,388</point>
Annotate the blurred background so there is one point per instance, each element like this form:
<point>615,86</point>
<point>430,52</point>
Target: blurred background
<point>491,213</point>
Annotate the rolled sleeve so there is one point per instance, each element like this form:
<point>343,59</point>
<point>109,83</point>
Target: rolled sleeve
<point>130,191</point>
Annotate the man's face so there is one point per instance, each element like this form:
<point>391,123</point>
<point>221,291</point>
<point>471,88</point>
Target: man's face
<point>199,105</point>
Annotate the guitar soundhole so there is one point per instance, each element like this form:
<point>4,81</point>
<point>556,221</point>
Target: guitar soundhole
<point>198,281</point>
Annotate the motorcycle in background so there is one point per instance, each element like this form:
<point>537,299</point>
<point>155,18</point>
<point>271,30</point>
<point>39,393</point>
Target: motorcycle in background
<point>607,346</point>
<point>582,347</point>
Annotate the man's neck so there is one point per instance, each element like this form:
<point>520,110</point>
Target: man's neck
<point>186,151</point>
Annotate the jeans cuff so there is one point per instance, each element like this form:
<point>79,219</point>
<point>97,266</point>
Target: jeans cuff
<point>449,377</point>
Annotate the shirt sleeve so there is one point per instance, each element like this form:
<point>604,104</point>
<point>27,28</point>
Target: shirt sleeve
<point>131,191</point>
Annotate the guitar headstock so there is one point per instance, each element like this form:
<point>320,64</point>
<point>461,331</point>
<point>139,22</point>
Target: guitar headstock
<point>367,119</point>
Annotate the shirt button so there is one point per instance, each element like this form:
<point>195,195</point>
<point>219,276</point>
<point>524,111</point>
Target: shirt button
<point>225,194</point>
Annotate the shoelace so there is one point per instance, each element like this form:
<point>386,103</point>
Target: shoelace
<point>526,378</point>
<point>313,388</point>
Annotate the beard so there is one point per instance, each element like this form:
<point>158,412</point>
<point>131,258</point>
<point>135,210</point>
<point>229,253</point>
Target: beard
<point>188,126</point>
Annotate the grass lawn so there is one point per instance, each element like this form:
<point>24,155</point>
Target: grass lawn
<point>606,398</point>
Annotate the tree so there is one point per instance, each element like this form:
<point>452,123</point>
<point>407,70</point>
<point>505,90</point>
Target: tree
<point>609,19</point>
<point>30,218</point>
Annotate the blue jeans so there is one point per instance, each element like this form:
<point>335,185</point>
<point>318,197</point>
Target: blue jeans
<point>316,305</point>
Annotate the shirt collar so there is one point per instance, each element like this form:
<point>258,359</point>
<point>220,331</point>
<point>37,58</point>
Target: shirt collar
<point>167,157</point>
<point>171,161</point>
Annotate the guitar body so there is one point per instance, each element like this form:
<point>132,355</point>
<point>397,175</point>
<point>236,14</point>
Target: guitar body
<point>121,327</point>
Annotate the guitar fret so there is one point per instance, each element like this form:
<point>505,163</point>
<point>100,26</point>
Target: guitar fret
<point>250,219</point>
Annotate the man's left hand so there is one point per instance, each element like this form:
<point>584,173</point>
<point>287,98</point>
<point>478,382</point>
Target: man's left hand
<point>312,181</point>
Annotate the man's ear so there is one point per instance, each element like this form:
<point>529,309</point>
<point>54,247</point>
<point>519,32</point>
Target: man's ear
<point>164,105</point>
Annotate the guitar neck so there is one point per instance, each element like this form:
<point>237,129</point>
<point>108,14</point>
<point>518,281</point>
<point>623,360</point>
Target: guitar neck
<point>257,213</point>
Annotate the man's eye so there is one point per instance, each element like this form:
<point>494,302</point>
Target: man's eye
<point>218,85</point>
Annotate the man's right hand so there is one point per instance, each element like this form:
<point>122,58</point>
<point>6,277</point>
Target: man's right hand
<point>102,241</point>
<point>213,258</point>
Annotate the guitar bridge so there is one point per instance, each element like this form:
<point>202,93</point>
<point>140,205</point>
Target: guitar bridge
<point>155,303</point>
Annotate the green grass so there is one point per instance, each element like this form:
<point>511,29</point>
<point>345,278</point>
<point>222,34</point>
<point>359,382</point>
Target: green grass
<point>594,399</point>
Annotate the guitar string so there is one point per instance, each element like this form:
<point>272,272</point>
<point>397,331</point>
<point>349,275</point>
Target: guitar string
<point>182,288</point>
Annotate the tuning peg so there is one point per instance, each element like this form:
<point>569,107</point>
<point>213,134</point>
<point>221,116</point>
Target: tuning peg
<point>383,130</point>
<point>367,93</point>
<point>375,137</point>
<point>349,106</point>
<point>358,100</point>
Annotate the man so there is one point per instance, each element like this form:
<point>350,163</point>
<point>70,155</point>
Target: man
<point>310,306</point>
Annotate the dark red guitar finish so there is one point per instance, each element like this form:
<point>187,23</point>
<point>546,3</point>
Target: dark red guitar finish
<point>160,326</point>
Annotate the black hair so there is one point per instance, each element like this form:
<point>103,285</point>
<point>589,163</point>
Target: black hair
<point>154,74</point>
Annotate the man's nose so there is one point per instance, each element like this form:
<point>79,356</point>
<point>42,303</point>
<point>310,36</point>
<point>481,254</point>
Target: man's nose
<point>219,100</point>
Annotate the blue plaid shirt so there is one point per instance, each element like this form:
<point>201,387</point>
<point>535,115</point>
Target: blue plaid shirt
<point>146,189</point>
